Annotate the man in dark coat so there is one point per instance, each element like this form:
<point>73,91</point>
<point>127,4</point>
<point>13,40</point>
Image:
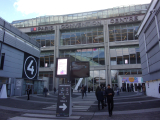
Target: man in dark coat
<point>100,98</point>
<point>45,90</point>
<point>28,92</point>
<point>110,95</point>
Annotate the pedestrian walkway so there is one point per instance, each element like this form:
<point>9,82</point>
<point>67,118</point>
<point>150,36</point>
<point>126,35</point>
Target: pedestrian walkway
<point>126,105</point>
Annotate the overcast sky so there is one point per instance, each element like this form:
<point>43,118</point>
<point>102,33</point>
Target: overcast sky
<point>11,10</point>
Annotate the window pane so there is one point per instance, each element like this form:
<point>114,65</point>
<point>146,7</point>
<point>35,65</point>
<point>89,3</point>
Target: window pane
<point>47,40</point>
<point>89,35</point>
<point>78,37</point>
<point>132,59</point>
<point>120,72</point>
<point>124,32</point>
<point>84,55</point>
<point>52,40</point>
<point>47,61</point>
<point>95,55</point>
<point>140,71</point>
<point>62,42</point>
<point>130,32</point>
<point>100,35</point>
<point>41,61</point>
<point>111,34</point>
<point>73,37</point>
<point>38,38</point>
<point>51,60</point>
<point>43,37</point>
<point>138,58</point>
<point>83,36</point>
<point>127,72</point>
<point>133,72</point>
<point>101,56</point>
<point>78,55</point>
<point>95,38</point>
<point>118,33</point>
<point>113,61</point>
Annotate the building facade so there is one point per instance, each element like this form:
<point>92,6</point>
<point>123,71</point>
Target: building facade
<point>149,42</point>
<point>105,38</point>
<point>19,61</point>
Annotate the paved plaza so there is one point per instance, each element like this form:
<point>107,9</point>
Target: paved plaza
<point>127,106</point>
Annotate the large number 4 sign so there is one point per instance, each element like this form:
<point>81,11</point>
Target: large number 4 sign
<point>30,68</point>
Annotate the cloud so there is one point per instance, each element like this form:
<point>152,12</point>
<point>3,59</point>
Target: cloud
<point>60,7</point>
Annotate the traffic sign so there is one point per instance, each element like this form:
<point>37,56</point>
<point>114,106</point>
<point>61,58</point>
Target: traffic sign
<point>64,101</point>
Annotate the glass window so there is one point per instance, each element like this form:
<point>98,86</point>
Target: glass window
<point>51,20</point>
<point>63,42</point>
<point>67,38</point>
<point>139,71</point>
<point>114,78</point>
<point>132,59</point>
<point>100,14</point>
<point>111,34</point>
<point>94,15</point>
<point>126,56</point>
<point>48,40</point>
<point>127,72</point>
<point>138,58</point>
<point>100,35</point>
<point>38,38</point>
<point>41,61</point>
<point>120,72</point>
<point>73,37</point>
<point>61,54</point>
<point>84,16</point>
<point>115,12</point>
<point>113,61</point>
<point>69,18</point>
<point>78,55</point>
<point>105,14</point>
<point>102,77</point>
<point>95,55</point>
<point>34,22</point>
<point>89,35</point>
<point>89,56</point>
<point>130,32</point>
<point>46,61</point>
<point>121,11</point>
<point>47,20</point>
<point>30,23</point>
<point>74,17</point>
<point>124,32</point>
<point>51,60</point>
<point>56,20</point>
<point>61,19</point>
<point>52,39</point>
<point>43,37</point>
<point>83,36</point>
<point>110,13</point>
<point>72,55</point>
<point>101,56</point>
<point>78,37</point>
<point>84,57</point>
<point>118,33</point>
<point>89,15</point>
<point>95,38</point>
<point>119,56</point>
<point>80,18</point>
<point>133,72</point>
<point>67,53</point>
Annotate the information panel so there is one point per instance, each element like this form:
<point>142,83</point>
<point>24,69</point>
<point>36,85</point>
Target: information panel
<point>63,103</point>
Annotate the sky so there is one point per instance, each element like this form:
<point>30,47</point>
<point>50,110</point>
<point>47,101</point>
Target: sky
<point>11,10</point>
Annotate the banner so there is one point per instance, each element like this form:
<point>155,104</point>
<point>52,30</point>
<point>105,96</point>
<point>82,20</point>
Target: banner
<point>132,80</point>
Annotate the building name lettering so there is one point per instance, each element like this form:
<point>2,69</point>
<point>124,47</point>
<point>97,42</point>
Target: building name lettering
<point>45,28</point>
<point>124,19</point>
<point>82,24</point>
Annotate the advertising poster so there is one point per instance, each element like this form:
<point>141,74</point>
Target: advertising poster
<point>62,67</point>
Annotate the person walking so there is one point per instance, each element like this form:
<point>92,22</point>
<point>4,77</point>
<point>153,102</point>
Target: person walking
<point>85,89</point>
<point>144,89</point>
<point>100,98</point>
<point>98,88</point>
<point>45,90</point>
<point>28,92</point>
<point>117,90</point>
<point>110,95</point>
<point>82,91</point>
<point>54,90</point>
<point>89,89</point>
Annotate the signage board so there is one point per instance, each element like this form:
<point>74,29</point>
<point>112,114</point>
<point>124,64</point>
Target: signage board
<point>42,28</point>
<point>30,67</point>
<point>62,67</point>
<point>64,101</point>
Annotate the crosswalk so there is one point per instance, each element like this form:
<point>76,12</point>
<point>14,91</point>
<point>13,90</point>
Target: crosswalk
<point>78,105</point>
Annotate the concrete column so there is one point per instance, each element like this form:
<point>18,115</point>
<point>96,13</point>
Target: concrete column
<point>56,54</point>
<point>107,53</point>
